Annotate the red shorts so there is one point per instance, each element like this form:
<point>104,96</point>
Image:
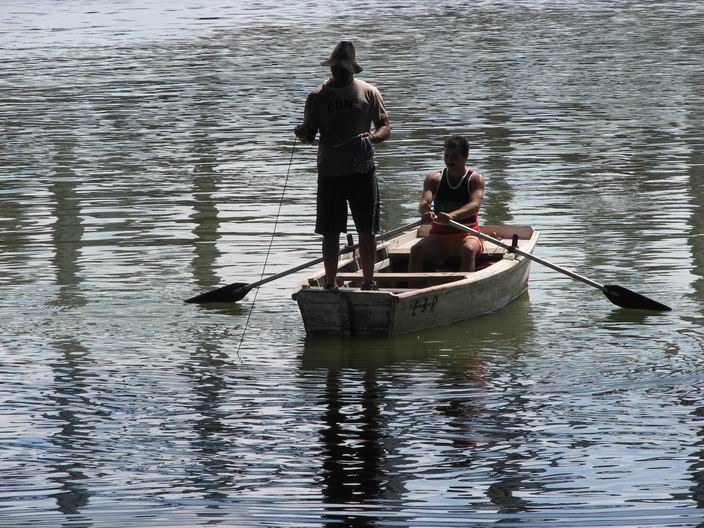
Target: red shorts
<point>452,242</point>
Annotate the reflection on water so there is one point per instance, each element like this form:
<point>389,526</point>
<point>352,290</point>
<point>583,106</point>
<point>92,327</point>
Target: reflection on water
<point>144,153</point>
<point>73,436</point>
<point>214,473</point>
<point>375,394</point>
<point>696,238</point>
<point>206,231</point>
<point>354,456</point>
<point>67,232</point>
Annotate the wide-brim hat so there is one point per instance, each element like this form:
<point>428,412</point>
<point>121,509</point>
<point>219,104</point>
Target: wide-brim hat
<point>345,56</point>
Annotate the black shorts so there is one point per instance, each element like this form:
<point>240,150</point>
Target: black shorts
<point>335,192</point>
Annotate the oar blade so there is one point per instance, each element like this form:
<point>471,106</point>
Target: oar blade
<point>230,293</point>
<point>626,298</point>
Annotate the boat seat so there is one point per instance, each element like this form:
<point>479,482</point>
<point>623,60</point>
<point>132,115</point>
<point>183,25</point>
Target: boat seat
<point>398,257</point>
<point>392,280</point>
<point>439,277</point>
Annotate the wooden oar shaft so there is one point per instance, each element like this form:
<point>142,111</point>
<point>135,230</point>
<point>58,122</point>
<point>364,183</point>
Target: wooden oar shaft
<point>530,256</point>
<point>293,270</point>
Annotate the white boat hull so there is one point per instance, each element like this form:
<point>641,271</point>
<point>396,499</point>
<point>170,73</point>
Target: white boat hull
<point>395,310</point>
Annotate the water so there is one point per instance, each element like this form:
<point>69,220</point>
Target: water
<point>145,146</point>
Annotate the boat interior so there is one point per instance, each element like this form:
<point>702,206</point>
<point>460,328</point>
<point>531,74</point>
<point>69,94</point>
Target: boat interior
<point>391,268</point>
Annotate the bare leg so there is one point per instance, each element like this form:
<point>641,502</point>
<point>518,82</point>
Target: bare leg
<point>331,254</point>
<point>426,249</point>
<point>416,259</point>
<point>367,254</point>
<point>468,254</point>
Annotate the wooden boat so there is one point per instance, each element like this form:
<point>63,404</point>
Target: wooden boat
<point>407,302</point>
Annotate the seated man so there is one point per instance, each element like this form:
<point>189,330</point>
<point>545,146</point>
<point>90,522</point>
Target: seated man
<point>455,193</point>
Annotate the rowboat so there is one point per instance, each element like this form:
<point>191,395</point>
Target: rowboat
<point>408,302</point>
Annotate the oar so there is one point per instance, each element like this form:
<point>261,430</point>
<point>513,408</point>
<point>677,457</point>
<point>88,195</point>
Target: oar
<point>618,295</point>
<point>237,290</point>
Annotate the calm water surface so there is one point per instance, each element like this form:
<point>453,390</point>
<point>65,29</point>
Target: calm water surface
<point>144,150</point>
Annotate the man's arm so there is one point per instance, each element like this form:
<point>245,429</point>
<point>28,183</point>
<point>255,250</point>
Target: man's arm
<point>308,130</point>
<point>476,195</point>
<point>430,187</point>
<point>380,117</point>
<point>382,131</point>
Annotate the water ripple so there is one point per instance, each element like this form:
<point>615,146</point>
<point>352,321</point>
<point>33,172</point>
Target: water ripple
<point>144,156</point>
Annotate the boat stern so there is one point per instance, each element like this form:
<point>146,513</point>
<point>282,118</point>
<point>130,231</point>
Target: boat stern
<point>346,311</point>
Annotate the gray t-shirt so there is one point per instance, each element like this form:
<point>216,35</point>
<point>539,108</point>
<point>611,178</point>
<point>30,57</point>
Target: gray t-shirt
<point>340,114</point>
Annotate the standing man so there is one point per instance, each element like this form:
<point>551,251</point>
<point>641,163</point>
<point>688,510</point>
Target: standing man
<point>455,193</point>
<point>342,109</point>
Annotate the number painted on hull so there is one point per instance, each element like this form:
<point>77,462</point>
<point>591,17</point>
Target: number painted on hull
<point>427,304</point>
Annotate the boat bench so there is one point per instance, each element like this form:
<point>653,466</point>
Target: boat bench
<point>384,278</point>
<point>398,256</point>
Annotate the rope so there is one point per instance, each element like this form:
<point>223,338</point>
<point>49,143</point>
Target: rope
<point>268,251</point>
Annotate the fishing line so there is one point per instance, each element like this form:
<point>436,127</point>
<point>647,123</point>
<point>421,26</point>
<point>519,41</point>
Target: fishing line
<point>268,251</point>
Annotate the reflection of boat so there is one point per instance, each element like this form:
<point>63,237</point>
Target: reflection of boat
<point>406,302</point>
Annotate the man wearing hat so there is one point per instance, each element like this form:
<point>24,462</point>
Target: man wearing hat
<point>342,110</point>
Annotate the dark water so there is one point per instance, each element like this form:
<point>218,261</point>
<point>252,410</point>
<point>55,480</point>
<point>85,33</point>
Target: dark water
<point>145,148</point>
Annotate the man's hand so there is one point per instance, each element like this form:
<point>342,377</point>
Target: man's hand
<point>428,217</point>
<point>368,135</point>
<point>443,218</point>
<point>302,134</point>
